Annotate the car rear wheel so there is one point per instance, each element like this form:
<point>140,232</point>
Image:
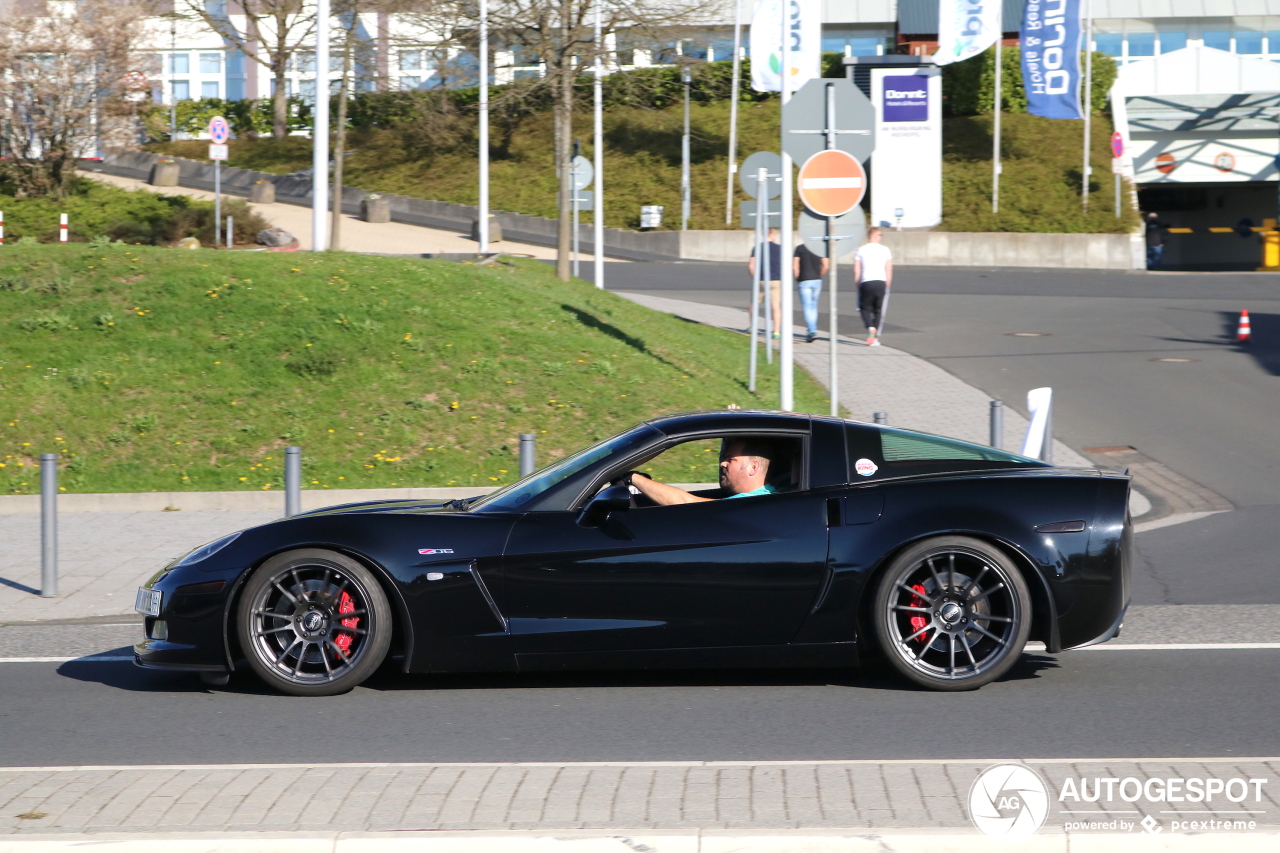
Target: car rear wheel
<point>952,613</point>
<point>313,622</point>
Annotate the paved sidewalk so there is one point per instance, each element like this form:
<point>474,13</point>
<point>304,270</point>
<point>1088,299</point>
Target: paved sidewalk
<point>679,795</point>
<point>393,238</point>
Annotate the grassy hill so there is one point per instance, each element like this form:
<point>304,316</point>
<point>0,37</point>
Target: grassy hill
<point>1040,189</point>
<point>155,369</point>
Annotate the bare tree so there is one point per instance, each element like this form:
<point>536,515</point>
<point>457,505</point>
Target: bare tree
<point>348,15</point>
<point>560,34</point>
<point>71,81</point>
<point>274,30</point>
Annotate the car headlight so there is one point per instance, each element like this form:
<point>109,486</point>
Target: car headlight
<point>206,551</point>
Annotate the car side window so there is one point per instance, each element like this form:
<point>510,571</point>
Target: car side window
<point>879,452</point>
<point>695,465</point>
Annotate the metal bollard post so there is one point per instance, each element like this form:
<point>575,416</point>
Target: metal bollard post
<point>231,231</point>
<point>997,424</point>
<point>882,418</point>
<point>292,480</point>
<point>528,451</point>
<point>48,525</point>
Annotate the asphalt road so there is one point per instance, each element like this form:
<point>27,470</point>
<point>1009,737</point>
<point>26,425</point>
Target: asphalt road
<point>1212,418</point>
<point>1114,704</point>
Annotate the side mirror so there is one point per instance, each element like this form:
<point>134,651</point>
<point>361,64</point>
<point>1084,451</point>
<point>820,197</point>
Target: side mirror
<point>598,510</point>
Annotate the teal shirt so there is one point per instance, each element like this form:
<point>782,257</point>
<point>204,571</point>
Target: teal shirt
<point>763,490</point>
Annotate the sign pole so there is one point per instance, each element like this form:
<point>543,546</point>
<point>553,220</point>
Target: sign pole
<point>1088,98</point>
<point>995,130</point>
<point>320,134</point>
<point>762,205</point>
<point>573,171</point>
<point>786,351</point>
<point>832,258</point>
<point>766,282</point>
<point>482,230</point>
<point>684,155</point>
<point>597,142</point>
<point>217,202</point>
<point>733,111</point>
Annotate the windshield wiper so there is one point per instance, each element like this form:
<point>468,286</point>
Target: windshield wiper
<point>462,503</point>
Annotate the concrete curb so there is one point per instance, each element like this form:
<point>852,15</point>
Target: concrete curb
<point>852,840</point>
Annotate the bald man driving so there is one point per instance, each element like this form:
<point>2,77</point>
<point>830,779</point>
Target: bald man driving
<point>744,466</point>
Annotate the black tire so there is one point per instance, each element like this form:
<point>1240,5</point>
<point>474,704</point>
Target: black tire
<point>952,613</point>
<point>313,622</point>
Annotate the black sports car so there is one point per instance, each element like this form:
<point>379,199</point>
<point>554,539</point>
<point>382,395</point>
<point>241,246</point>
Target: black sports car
<point>946,557</point>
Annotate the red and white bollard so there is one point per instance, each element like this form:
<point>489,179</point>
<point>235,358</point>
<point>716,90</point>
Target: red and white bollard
<point>1,227</point>
<point>62,228</point>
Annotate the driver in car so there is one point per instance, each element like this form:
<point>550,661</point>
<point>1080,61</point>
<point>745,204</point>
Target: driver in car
<point>744,466</point>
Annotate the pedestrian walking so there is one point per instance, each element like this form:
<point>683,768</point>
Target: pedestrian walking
<point>873,271</point>
<point>809,269</point>
<point>1155,240</point>
<point>774,271</point>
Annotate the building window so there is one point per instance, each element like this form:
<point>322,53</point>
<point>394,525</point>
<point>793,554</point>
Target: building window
<point>410,82</point>
<point>179,63</point>
<point>307,89</point>
<point>209,89</point>
<point>1248,41</point>
<point>410,60</point>
<point>210,63</point>
<point>1112,44</point>
<point>1218,39</point>
<point>306,62</point>
<point>1142,44</point>
<point>235,89</point>
<point>1170,42</point>
<point>1273,41</point>
<point>181,90</point>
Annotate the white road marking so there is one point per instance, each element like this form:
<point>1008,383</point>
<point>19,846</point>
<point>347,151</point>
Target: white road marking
<point>81,659</point>
<point>1156,647</point>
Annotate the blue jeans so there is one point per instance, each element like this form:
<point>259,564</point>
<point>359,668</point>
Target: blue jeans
<point>809,293</point>
<point>1154,256</point>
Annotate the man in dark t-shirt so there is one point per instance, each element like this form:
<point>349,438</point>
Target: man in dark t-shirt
<point>774,274</point>
<point>809,269</point>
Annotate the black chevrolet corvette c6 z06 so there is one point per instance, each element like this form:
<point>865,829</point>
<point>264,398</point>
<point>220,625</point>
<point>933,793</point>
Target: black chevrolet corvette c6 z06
<point>943,556</point>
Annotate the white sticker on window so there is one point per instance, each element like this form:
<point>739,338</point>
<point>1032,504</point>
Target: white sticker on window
<point>865,467</point>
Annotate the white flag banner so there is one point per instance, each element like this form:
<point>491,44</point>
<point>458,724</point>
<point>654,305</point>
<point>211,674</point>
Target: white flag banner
<point>805,27</point>
<point>1039,401</point>
<point>966,28</point>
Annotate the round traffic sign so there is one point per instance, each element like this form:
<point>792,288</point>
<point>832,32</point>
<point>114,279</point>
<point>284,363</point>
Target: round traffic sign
<point>219,130</point>
<point>843,234</point>
<point>832,183</point>
<point>1117,144</point>
<point>582,172</point>
<point>749,174</point>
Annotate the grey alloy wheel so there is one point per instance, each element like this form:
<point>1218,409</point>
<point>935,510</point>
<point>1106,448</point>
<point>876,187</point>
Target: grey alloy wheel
<point>952,613</point>
<point>313,622</point>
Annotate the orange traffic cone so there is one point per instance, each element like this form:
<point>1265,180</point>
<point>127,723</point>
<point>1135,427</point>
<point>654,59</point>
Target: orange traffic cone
<point>1242,331</point>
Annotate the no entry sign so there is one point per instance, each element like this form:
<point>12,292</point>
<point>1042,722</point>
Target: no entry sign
<point>832,183</point>
<point>1117,145</point>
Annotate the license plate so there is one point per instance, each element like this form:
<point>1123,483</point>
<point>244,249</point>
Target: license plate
<point>148,602</point>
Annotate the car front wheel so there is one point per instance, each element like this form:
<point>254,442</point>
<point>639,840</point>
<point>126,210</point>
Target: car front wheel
<point>952,613</point>
<point>313,622</point>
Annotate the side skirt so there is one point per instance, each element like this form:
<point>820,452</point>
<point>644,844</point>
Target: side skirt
<point>810,655</point>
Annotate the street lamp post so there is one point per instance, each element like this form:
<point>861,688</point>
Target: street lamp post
<point>482,231</point>
<point>597,144</point>
<point>684,154</point>
<point>320,134</point>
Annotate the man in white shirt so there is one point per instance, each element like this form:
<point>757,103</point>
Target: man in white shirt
<point>873,270</point>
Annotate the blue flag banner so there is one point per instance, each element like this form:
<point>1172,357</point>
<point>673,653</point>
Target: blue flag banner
<point>1051,58</point>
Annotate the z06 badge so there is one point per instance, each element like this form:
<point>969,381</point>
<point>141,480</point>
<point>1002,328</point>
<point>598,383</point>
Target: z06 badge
<point>435,550</point>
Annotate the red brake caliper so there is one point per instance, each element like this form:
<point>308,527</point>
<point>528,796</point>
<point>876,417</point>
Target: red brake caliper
<point>346,605</point>
<point>917,622</point>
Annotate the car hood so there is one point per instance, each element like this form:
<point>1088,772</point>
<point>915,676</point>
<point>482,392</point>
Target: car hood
<point>414,506</point>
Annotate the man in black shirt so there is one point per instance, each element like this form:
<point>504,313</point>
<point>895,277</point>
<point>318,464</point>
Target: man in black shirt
<point>774,273</point>
<point>809,269</point>
<point>1155,241</point>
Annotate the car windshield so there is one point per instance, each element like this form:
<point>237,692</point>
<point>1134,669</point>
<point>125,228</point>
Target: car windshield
<point>512,498</point>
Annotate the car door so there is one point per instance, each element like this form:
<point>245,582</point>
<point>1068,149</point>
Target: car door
<point>737,572</point>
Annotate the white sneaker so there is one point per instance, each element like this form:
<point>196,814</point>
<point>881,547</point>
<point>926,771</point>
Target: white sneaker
<point>876,342</point>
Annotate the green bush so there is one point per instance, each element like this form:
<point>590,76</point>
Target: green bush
<point>96,210</point>
<point>248,118</point>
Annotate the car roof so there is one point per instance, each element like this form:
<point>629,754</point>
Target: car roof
<point>729,419</point>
